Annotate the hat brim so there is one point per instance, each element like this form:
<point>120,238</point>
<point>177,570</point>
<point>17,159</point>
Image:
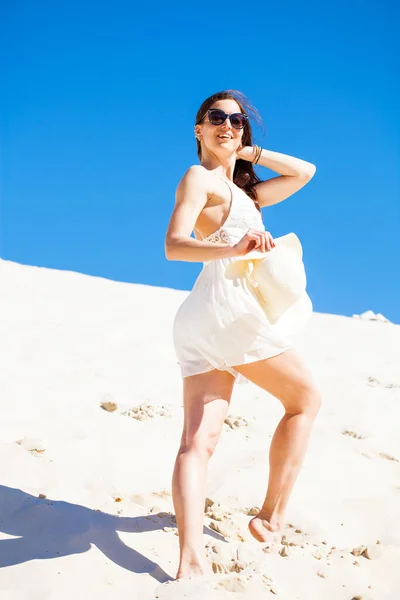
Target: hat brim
<point>290,240</point>
<point>237,266</point>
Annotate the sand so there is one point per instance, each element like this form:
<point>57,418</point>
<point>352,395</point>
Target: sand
<point>91,416</point>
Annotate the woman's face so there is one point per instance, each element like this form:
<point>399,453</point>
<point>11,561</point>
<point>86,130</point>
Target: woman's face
<point>223,137</point>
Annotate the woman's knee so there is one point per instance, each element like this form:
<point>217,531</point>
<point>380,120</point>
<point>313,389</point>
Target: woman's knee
<point>202,443</point>
<point>305,398</point>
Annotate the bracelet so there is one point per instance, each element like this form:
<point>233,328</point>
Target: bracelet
<point>258,156</point>
<point>256,151</point>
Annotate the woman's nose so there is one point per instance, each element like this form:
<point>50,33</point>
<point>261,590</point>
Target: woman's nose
<point>227,123</point>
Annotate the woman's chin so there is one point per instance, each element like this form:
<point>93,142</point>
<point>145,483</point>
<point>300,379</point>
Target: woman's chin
<point>224,149</point>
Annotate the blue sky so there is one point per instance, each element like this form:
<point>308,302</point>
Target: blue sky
<point>97,114</point>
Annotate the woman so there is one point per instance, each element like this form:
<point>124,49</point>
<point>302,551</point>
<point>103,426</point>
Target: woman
<point>220,331</point>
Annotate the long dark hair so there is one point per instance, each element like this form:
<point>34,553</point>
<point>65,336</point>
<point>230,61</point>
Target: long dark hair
<point>243,175</point>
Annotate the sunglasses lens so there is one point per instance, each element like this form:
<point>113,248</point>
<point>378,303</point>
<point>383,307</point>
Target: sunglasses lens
<point>237,120</point>
<point>216,116</point>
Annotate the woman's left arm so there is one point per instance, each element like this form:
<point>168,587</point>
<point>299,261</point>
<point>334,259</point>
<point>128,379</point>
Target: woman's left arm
<point>294,174</point>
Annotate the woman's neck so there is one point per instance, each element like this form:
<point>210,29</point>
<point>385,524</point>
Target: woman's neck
<point>224,168</point>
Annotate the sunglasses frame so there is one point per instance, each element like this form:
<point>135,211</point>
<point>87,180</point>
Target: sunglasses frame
<point>227,116</point>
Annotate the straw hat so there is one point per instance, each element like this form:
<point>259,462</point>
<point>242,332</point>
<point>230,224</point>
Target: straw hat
<point>278,280</point>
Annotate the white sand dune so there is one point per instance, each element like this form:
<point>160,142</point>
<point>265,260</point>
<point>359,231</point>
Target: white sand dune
<point>85,503</point>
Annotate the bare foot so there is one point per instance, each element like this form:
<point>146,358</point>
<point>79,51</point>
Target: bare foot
<point>263,531</point>
<point>190,569</point>
<point>189,572</point>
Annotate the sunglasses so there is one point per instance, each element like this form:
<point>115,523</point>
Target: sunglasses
<point>217,117</point>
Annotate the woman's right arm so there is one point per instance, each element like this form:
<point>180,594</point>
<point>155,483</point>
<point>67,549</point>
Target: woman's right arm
<point>191,198</point>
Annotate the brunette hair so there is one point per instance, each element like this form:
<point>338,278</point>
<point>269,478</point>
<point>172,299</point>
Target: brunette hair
<point>243,175</point>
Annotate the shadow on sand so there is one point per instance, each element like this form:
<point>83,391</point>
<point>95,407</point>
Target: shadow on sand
<point>53,528</point>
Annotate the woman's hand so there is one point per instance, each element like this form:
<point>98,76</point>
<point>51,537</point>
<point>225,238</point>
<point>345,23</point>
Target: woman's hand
<point>254,240</point>
<point>246,153</point>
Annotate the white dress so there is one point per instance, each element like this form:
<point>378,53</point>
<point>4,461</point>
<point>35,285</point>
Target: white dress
<point>220,323</point>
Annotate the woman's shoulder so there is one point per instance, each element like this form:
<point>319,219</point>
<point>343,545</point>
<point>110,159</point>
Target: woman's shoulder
<point>197,171</point>
<point>197,175</point>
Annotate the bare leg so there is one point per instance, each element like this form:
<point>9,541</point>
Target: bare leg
<point>188,491</point>
<point>206,403</point>
<point>286,377</point>
<point>287,451</point>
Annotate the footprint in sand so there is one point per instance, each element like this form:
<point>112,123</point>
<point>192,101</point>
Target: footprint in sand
<point>218,512</point>
<point>323,552</point>
<point>210,503</point>
<point>239,584</point>
<point>232,526</point>
<point>143,412</point>
<point>222,557</point>
<point>232,523</point>
<point>383,455</point>
<point>246,560</point>
<point>388,456</point>
<point>373,382</point>
<point>234,558</point>
<point>233,584</point>
<point>292,539</point>
<point>235,422</point>
<point>353,434</point>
